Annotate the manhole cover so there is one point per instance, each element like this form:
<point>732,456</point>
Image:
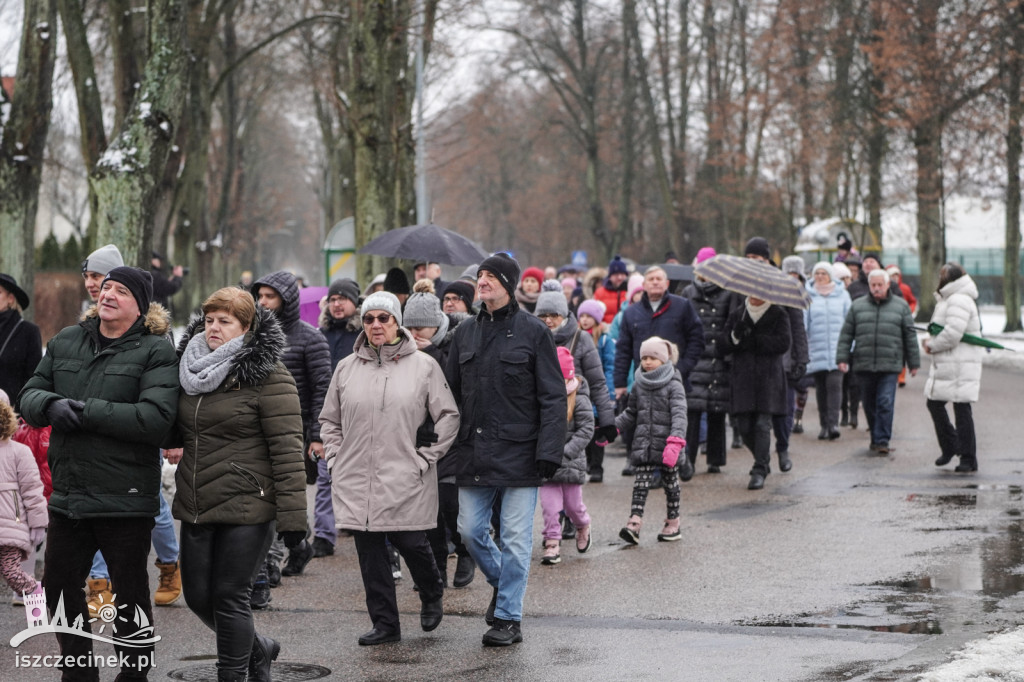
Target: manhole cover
<point>282,672</point>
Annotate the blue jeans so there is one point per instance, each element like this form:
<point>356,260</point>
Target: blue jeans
<point>878,393</point>
<point>507,568</point>
<point>165,542</point>
<point>323,509</point>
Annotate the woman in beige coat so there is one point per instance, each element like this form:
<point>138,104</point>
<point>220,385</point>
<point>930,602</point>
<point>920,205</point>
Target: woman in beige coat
<point>384,481</point>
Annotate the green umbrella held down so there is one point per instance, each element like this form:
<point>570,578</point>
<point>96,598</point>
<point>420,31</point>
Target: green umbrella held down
<point>934,330</point>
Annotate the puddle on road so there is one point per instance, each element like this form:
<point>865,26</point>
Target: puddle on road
<point>957,591</point>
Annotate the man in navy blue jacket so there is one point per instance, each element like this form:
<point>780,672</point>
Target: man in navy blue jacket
<point>658,313</point>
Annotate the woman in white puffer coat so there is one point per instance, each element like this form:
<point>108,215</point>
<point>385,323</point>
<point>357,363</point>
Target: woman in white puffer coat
<point>955,374</point>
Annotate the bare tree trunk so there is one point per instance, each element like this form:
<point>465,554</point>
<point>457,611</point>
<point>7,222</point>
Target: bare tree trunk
<point>23,140</point>
<point>1011,264</point>
<point>653,130</point>
<point>931,233</point>
<point>627,131</point>
<point>127,177</point>
<point>126,58</point>
<point>92,136</point>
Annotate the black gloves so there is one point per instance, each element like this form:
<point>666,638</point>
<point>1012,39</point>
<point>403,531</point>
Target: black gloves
<point>796,372</point>
<point>425,436</point>
<point>608,433</point>
<point>546,469</point>
<point>292,538</point>
<point>65,414</point>
<point>744,327</point>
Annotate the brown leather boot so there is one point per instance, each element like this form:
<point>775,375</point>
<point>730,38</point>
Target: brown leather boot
<point>169,589</point>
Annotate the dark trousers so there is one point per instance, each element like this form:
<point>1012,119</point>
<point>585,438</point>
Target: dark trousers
<point>70,547</point>
<point>715,436</point>
<point>595,458</point>
<point>850,403</point>
<point>828,391</point>
<point>959,440</point>
<point>756,430</point>
<point>447,527</point>
<point>782,424</point>
<point>218,563</point>
<point>375,566</point>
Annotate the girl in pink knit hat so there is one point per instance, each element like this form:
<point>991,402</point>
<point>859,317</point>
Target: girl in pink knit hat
<point>564,490</point>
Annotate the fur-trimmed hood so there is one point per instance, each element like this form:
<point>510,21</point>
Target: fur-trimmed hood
<point>261,350</point>
<point>157,322</point>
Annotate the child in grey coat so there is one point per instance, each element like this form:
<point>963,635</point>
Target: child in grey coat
<point>656,412</point>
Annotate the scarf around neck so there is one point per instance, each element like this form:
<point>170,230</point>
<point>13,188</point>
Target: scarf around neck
<point>756,312</point>
<point>201,370</point>
<point>442,329</point>
<point>825,289</point>
<point>656,378</point>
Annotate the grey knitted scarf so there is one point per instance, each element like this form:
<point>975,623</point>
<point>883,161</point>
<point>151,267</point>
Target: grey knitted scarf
<point>656,378</point>
<point>201,370</point>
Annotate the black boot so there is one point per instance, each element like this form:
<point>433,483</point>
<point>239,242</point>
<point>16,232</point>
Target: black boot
<point>944,460</point>
<point>798,421</point>
<point>785,463</point>
<point>756,481</point>
<point>465,571</point>
<point>264,651</point>
<point>967,465</point>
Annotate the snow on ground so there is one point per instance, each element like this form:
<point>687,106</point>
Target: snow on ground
<point>993,318</point>
<point>999,657</point>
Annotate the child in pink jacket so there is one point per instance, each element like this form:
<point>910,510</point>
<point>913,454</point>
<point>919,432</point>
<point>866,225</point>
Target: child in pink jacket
<point>22,505</point>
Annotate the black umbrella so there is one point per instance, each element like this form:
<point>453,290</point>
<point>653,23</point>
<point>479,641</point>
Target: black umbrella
<point>753,278</point>
<point>426,243</point>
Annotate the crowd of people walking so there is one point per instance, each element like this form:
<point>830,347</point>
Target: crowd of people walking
<point>430,419</point>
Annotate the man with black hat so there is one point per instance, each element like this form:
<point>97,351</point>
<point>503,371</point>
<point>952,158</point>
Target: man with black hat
<point>341,325</point>
<point>458,297</point>
<point>20,344</point>
<point>504,373</point>
<point>109,388</point>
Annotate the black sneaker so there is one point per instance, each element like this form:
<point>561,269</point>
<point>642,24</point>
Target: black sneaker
<point>298,557</point>
<point>322,547</point>
<point>568,529</point>
<point>260,597</point>
<point>273,573</point>
<point>503,633</point>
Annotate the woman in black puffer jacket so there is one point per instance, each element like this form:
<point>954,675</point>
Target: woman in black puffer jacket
<point>710,392</point>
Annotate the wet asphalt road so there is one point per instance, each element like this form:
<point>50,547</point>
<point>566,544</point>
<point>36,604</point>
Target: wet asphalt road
<point>849,567</point>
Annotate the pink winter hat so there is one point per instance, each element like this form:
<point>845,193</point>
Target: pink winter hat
<point>704,254</point>
<point>568,366</point>
<point>657,347</point>
<point>635,284</point>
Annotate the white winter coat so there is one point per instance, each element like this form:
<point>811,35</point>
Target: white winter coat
<point>955,374</point>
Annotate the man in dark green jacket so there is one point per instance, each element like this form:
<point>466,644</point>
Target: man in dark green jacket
<point>879,337</point>
<point>109,388</point>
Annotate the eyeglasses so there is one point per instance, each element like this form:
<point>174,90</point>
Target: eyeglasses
<point>452,299</point>
<point>383,318</point>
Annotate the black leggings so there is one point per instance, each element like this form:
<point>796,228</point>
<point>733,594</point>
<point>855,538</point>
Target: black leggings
<point>218,563</point>
<point>642,485</point>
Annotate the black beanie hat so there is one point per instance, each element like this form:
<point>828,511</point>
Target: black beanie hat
<point>396,282</point>
<point>463,290</point>
<point>344,287</point>
<point>505,268</point>
<point>138,281</point>
<point>758,246</point>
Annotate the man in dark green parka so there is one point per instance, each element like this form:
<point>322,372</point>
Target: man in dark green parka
<point>878,336</point>
<point>109,388</point>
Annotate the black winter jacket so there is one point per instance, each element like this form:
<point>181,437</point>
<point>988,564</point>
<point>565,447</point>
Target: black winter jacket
<point>655,410</point>
<point>341,336</point>
<point>676,320</point>
<point>111,466</point>
<point>709,380</point>
<point>307,356</point>
<point>20,356</point>
<point>504,373</point>
<point>758,376</point>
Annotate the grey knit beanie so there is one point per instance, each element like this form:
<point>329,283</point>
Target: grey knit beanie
<point>423,310</point>
<point>551,300</point>
<point>383,300</point>
<point>103,260</point>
